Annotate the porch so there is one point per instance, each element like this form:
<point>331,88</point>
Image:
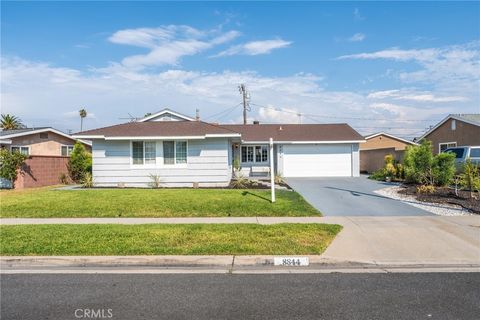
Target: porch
<point>253,160</point>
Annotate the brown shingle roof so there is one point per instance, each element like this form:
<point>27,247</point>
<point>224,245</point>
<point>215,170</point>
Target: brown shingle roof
<point>249,132</point>
<point>296,132</point>
<point>158,128</point>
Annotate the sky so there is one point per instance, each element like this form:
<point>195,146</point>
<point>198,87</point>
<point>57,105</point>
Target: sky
<point>397,67</point>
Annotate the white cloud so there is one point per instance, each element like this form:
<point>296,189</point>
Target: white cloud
<point>270,114</point>
<point>357,15</point>
<point>357,37</point>
<point>413,95</point>
<point>168,44</point>
<point>255,48</point>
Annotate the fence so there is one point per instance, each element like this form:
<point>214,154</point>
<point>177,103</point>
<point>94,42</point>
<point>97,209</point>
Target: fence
<point>372,160</point>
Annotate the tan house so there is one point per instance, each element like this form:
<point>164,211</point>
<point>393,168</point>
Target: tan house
<point>455,130</point>
<point>44,141</point>
<point>377,146</point>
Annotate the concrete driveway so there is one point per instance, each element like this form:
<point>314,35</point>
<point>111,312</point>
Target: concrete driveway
<point>351,197</point>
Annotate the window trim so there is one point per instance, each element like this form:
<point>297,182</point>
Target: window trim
<point>446,143</point>
<point>20,149</point>
<point>254,146</point>
<point>66,145</point>
<point>175,154</point>
<point>143,165</point>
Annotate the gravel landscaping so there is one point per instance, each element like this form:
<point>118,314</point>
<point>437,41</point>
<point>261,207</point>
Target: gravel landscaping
<point>442,209</point>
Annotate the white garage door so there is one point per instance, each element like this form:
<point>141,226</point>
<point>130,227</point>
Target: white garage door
<point>327,160</point>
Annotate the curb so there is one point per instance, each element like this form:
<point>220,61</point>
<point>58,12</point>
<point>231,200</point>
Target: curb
<point>214,264</point>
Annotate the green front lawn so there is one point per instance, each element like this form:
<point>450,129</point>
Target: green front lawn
<point>48,203</point>
<point>157,239</point>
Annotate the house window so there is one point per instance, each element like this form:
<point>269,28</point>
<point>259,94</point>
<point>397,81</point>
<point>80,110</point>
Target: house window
<point>256,154</point>
<point>446,145</point>
<point>43,135</point>
<point>150,152</point>
<point>174,152</point>
<point>144,152</point>
<point>67,150</point>
<point>22,150</point>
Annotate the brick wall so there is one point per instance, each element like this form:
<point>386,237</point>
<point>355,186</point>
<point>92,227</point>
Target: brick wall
<point>41,171</point>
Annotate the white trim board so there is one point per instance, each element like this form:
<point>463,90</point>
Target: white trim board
<point>26,133</point>
<point>164,111</point>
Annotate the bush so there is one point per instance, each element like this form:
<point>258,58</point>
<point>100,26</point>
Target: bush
<point>10,162</point>
<point>444,168</point>
<point>243,183</point>
<point>422,167</point>
<point>63,178</point>
<point>378,175</point>
<point>470,177</point>
<point>278,179</point>
<point>80,163</point>
<point>87,180</point>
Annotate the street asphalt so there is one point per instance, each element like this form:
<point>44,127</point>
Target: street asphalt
<point>216,296</point>
<point>351,197</point>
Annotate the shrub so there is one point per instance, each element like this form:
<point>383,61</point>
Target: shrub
<point>278,179</point>
<point>80,162</point>
<point>10,162</point>
<point>444,168</point>
<point>87,180</point>
<point>63,178</point>
<point>421,166</point>
<point>378,175</point>
<point>400,171</point>
<point>243,183</point>
<point>425,189</point>
<point>470,177</point>
<point>155,181</point>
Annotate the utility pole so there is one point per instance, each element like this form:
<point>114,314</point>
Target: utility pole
<point>243,92</point>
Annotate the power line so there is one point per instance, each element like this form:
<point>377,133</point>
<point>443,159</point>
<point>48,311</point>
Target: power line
<point>337,117</point>
<point>223,111</point>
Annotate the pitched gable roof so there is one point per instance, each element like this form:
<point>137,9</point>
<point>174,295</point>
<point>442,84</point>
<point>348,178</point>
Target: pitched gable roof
<point>297,132</point>
<point>8,134</point>
<point>158,130</point>
<point>390,136</point>
<point>471,118</point>
<point>164,112</point>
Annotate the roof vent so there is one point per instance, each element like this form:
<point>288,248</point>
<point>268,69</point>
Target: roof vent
<point>256,122</point>
<point>280,128</point>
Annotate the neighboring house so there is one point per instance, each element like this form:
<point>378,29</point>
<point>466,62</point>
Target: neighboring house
<point>187,152</point>
<point>377,146</point>
<point>43,141</point>
<point>455,130</point>
<point>48,153</point>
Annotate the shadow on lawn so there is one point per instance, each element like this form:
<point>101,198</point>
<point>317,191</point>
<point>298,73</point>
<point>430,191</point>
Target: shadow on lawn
<point>246,193</point>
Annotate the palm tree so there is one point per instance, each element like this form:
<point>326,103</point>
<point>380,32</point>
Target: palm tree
<point>10,122</point>
<point>83,114</point>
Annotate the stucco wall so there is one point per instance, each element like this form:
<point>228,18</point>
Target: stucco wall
<point>372,160</point>
<point>52,146</point>
<point>381,142</point>
<point>465,134</point>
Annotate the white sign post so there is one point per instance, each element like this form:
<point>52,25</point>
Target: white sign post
<point>272,171</point>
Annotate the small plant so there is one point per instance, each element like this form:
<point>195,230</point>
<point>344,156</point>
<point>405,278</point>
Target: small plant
<point>155,181</point>
<point>63,178</point>
<point>10,162</point>
<point>87,180</point>
<point>378,175</point>
<point>470,177</point>
<point>427,189</point>
<point>400,171</point>
<point>278,179</point>
<point>240,183</point>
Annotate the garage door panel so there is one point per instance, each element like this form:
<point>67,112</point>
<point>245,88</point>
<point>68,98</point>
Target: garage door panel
<point>317,160</point>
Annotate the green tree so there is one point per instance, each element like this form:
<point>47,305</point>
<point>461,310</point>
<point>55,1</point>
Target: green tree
<point>470,177</point>
<point>83,114</point>
<point>10,122</point>
<point>418,163</point>
<point>10,162</point>
<point>444,168</point>
<point>80,162</point>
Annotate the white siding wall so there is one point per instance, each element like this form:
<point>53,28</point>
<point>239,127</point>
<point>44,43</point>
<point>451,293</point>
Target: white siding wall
<point>207,163</point>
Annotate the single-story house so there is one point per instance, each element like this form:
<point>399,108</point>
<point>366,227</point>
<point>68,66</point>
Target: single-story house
<point>48,153</point>
<point>43,141</point>
<point>185,152</point>
<point>377,146</point>
<point>455,130</point>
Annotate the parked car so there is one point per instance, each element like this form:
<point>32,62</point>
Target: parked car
<point>463,153</point>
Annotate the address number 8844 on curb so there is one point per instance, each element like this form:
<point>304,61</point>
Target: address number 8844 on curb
<point>290,261</point>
